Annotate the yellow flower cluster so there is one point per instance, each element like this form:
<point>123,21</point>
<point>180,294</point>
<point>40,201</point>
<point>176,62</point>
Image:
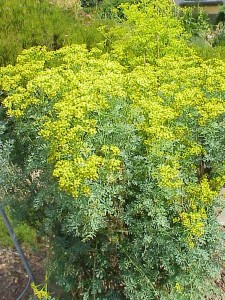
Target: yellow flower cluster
<point>178,287</point>
<point>169,176</point>
<point>73,174</point>
<point>41,294</point>
<point>76,87</point>
<point>148,32</point>
<point>113,149</point>
<point>194,222</point>
<point>201,193</point>
<point>206,193</point>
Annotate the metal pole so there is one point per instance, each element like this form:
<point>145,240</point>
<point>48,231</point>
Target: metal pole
<point>17,245</point>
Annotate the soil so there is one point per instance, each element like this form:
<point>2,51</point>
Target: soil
<point>221,282</point>
<point>13,277</point>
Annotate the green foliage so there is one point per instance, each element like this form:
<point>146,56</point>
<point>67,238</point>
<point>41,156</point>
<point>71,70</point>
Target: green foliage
<point>219,35</point>
<point>111,9</point>
<point>5,240</point>
<point>195,21</point>
<point>10,184</point>
<point>29,23</point>
<point>206,51</point>
<point>140,42</point>
<point>221,15</point>
<point>89,3</point>
<point>25,234</point>
<point>122,159</point>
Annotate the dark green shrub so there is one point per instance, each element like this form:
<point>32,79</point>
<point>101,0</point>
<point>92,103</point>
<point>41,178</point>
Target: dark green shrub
<point>89,3</point>
<point>221,16</point>
<point>110,9</point>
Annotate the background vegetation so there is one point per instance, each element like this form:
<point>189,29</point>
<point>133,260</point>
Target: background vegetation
<point>29,23</point>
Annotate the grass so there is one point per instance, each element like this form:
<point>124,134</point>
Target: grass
<point>207,51</point>
<point>25,234</point>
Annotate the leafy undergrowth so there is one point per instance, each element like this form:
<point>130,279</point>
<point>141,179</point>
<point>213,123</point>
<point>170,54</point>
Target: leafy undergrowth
<point>13,276</point>
<point>24,233</point>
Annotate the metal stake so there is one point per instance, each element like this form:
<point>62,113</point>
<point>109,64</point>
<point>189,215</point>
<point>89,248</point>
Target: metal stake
<point>17,246</point>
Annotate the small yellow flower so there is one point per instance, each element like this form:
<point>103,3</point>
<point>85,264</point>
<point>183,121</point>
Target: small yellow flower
<point>115,150</point>
<point>41,294</point>
<point>178,287</point>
